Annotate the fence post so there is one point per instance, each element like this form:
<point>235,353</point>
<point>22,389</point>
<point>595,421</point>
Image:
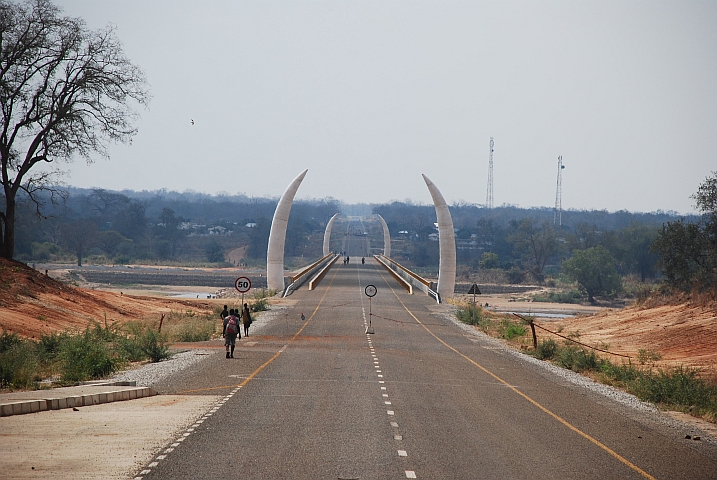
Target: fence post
<point>535,338</point>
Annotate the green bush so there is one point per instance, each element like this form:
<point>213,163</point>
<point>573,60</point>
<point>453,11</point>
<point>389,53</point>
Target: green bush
<point>578,359</point>
<point>18,366</point>
<point>572,296</point>
<point>48,348</point>
<point>509,329</point>
<point>8,340</point>
<point>88,356</point>
<point>546,350</point>
<point>679,386</point>
<point>154,345</point>
<point>470,314</point>
<point>194,331</point>
<point>259,305</point>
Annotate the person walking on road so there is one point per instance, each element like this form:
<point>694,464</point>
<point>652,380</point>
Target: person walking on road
<point>230,332</point>
<point>224,313</point>
<point>246,319</point>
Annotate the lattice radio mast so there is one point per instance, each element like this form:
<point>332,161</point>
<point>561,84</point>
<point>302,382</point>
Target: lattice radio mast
<point>489,194</point>
<point>558,212</point>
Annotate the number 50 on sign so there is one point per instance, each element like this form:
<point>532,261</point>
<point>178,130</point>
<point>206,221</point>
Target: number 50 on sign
<point>242,284</point>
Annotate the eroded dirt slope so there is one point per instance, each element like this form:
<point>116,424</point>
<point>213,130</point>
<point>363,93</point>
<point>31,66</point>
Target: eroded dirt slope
<point>684,334</point>
<point>32,303</point>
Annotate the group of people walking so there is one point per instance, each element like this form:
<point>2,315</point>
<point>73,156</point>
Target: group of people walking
<point>232,321</point>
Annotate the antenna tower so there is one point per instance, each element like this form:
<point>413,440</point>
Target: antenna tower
<point>558,212</point>
<point>489,194</point>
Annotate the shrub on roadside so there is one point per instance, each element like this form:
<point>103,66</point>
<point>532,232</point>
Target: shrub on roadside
<point>196,330</point>
<point>510,330</point>
<point>88,356</point>
<point>154,345</point>
<point>18,366</point>
<point>546,349</point>
<point>470,314</point>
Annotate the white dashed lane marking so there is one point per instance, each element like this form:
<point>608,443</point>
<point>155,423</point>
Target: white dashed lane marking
<point>186,434</point>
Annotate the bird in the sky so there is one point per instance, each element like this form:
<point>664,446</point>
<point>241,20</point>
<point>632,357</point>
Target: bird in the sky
<point>192,121</point>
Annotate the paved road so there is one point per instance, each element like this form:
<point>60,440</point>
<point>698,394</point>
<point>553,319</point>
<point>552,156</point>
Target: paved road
<point>318,398</point>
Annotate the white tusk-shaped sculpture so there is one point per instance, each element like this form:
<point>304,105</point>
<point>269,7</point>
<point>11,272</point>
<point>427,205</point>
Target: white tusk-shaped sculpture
<point>327,234</point>
<point>277,236</point>
<point>386,238</point>
<point>447,242</point>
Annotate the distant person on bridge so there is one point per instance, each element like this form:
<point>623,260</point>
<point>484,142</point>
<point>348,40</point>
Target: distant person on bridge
<point>246,319</point>
<point>363,260</point>
<point>230,332</point>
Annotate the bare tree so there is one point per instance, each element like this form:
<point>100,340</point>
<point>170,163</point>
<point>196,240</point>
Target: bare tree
<point>65,91</point>
<point>79,237</point>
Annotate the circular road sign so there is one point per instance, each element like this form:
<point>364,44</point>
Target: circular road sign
<point>242,284</point>
<point>370,290</point>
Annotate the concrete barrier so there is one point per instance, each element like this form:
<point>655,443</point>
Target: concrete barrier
<point>405,284</point>
<point>305,274</point>
<point>411,277</point>
<point>317,278</point>
<point>65,398</point>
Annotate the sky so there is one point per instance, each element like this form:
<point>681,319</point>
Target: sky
<point>369,95</point>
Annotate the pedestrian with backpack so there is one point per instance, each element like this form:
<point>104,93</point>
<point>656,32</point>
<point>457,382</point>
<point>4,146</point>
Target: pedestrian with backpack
<point>246,319</point>
<point>230,332</point>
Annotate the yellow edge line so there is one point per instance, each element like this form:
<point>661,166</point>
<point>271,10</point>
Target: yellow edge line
<point>544,409</point>
<point>276,355</point>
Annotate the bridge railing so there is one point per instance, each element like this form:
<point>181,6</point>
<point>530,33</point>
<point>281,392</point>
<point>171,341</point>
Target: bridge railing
<point>409,277</point>
<point>305,274</point>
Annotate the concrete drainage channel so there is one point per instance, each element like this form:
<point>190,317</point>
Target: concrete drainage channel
<point>90,393</point>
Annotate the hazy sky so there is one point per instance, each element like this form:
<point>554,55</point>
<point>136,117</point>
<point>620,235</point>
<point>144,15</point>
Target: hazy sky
<point>370,95</point>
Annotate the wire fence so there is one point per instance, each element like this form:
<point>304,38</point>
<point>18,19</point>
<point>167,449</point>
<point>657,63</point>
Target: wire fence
<point>570,339</point>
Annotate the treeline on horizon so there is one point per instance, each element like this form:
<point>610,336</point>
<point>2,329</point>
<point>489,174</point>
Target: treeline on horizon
<point>135,227</point>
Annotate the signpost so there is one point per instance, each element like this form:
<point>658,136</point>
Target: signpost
<point>243,285</point>
<point>370,291</point>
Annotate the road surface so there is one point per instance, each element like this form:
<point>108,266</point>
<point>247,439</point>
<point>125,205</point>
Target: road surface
<point>319,398</point>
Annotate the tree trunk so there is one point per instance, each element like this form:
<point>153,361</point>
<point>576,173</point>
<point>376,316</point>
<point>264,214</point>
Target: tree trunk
<point>8,240</point>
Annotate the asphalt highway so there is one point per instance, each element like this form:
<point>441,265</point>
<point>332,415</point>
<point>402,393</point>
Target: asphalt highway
<point>319,398</point>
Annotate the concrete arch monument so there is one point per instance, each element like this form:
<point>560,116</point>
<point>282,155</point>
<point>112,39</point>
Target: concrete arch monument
<point>277,236</point>
<point>447,242</point>
<point>386,237</point>
<point>327,234</point>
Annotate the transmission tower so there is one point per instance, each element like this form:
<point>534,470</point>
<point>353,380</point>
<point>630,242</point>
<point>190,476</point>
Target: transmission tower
<point>558,212</point>
<point>489,194</point>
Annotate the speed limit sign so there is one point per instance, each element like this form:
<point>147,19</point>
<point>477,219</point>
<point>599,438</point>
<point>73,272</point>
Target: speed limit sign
<point>242,284</point>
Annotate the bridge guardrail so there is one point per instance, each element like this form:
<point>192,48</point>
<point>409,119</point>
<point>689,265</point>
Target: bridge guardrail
<point>317,278</point>
<point>305,274</point>
<point>411,277</point>
<point>404,283</point>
